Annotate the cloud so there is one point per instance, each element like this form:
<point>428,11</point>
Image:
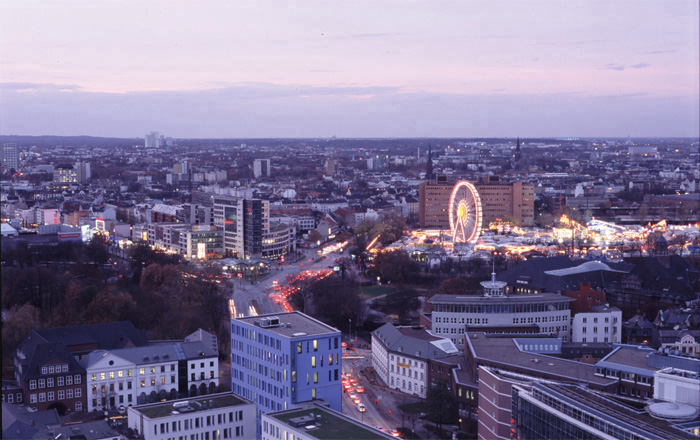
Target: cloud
<point>37,87</point>
<point>640,65</point>
<point>613,66</point>
<point>658,52</point>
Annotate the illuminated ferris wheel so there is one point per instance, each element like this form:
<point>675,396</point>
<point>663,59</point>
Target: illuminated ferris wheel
<point>465,213</point>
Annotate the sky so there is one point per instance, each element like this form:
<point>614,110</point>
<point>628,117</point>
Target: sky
<point>217,69</point>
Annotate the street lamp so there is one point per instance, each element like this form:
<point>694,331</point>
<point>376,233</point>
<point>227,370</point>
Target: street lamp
<point>349,329</point>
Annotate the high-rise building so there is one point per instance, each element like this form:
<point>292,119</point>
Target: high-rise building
<point>261,168</point>
<point>82,170</point>
<point>247,231</point>
<point>507,201</point>
<point>10,156</point>
<point>500,201</point>
<point>152,140</point>
<point>434,203</point>
<point>283,360</point>
<point>330,167</point>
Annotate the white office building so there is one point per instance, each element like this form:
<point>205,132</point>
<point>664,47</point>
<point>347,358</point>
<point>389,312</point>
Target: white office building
<point>602,323</point>
<point>213,417</point>
<point>496,312</point>
<point>400,356</point>
<point>138,375</point>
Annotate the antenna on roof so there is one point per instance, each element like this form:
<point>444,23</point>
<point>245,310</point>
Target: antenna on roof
<point>493,262</point>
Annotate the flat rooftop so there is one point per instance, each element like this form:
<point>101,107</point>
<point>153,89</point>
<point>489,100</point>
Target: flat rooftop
<point>633,358</point>
<point>293,325</point>
<point>163,409</point>
<point>504,352</point>
<point>616,408</point>
<point>331,425</point>
<point>485,300</point>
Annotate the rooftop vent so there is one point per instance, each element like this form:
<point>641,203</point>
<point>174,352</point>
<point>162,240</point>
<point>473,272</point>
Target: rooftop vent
<point>269,321</point>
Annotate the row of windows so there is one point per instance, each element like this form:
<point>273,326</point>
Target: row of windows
<point>406,372</point>
<point>407,361</point>
<point>50,396</point>
<point>595,330</point>
<point>542,306</point>
<point>51,369</point>
<point>11,398</point>
<point>60,381</point>
<point>595,320</point>
<point>200,422</point>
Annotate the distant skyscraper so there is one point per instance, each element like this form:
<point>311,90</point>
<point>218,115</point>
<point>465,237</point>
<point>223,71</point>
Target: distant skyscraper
<point>261,167</point>
<point>517,152</point>
<point>82,170</point>
<point>10,156</point>
<point>152,140</point>
<point>429,163</point>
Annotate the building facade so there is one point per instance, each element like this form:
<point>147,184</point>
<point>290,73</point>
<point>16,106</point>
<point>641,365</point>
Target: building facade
<point>500,201</point>
<point>246,228</point>
<point>261,168</point>
<point>278,361</point>
<point>139,375</point>
<point>10,156</point>
<point>545,313</point>
<point>401,356</point>
<point>601,324</point>
<point>214,417</point>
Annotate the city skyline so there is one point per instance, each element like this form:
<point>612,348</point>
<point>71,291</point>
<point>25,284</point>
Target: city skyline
<point>271,69</point>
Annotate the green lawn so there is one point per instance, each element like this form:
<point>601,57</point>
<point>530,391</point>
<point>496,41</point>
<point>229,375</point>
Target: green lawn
<point>375,291</point>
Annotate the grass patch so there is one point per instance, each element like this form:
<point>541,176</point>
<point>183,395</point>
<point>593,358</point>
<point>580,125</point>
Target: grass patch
<point>375,291</point>
<point>414,408</point>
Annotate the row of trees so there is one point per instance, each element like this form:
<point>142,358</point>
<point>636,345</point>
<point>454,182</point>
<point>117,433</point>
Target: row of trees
<point>63,286</point>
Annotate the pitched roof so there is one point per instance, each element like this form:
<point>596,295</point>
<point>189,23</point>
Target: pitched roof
<point>107,336</point>
<point>413,341</point>
<point>19,422</point>
<point>42,353</point>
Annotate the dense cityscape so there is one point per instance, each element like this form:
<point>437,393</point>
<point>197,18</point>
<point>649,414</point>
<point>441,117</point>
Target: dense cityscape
<point>389,287</point>
<point>336,220</point>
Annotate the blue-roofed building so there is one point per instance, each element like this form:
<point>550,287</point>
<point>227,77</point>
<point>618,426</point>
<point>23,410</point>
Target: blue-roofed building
<point>279,361</point>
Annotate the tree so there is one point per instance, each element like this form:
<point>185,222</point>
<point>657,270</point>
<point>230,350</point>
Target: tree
<point>403,302</point>
<point>395,266</point>
<point>335,301</point>
<point>108,307</point>
<point>453,286</point>
<point>442,405</point>
<point>19,322</point>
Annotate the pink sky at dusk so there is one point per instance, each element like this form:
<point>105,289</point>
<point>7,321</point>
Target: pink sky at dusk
<point>287,58</point>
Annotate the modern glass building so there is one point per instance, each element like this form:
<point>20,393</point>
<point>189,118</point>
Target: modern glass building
<point>566,411</point>
<point>278,361</point>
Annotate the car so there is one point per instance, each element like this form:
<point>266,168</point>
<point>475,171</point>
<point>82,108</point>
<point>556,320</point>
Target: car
<point>360,389</point>
<point>381,428</point>
<point>361,407</point>
<point>353,396</point>
<point>394,432</point>
<point>356,400</point>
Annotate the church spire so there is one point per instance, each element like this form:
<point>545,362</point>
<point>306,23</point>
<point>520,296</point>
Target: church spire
<point>517,151</point>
